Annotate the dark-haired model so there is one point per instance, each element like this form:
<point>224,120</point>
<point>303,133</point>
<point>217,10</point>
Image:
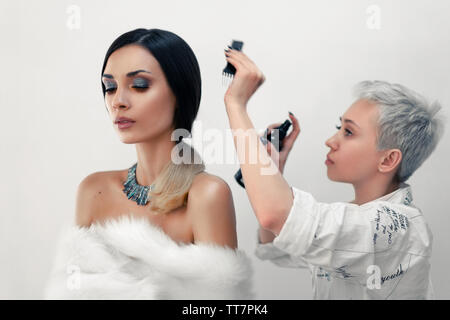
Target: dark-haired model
<point>158,229</point>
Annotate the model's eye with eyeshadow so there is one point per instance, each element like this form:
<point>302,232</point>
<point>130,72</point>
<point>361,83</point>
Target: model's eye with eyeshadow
<point>109,86</point>
<point>140,83</point>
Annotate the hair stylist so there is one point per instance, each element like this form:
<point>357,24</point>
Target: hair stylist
<point>269,194</point>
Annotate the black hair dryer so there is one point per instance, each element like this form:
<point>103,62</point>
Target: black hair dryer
<point>277,142</point>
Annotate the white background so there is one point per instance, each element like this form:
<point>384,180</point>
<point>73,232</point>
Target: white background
<point>55,129</point>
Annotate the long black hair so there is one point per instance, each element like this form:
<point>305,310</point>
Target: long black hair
<point>177,61</point>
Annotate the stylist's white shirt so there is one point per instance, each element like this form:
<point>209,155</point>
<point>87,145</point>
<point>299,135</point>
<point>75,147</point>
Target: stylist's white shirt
<point>379,250</point>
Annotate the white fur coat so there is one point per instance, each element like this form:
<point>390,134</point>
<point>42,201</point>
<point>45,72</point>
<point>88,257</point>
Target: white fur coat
<point>129,258</point>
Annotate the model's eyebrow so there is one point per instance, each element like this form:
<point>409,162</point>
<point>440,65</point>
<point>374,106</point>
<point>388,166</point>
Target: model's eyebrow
<point>349,121</point>
<point>129,74</point>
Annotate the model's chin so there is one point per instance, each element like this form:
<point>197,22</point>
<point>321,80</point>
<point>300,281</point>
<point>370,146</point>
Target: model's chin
<point>127,140</point>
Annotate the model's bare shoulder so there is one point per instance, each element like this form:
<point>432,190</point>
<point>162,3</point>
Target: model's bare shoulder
<point>211,209</point>
<point>204,181</point>
<point>91,196</point>
<point>206,186</point>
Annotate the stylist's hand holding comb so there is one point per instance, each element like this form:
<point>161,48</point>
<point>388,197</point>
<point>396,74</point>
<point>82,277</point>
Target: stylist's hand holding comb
<point>270,195</point>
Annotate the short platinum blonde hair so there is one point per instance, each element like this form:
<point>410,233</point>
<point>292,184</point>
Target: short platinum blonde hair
<point>407,121</point>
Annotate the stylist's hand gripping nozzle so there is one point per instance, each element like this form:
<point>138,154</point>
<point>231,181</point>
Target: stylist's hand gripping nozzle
<point>229,70</point>
<point>274,138</point>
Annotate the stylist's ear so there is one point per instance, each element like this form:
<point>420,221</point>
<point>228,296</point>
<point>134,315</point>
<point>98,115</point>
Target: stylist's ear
<point>390,160</point>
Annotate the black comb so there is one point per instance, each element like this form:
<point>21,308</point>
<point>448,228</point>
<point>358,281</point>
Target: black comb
<point>229,70</point>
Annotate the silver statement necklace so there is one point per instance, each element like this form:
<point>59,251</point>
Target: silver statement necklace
<point>135,191</point>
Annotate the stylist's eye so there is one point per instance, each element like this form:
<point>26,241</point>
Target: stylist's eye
<point>347,131</point>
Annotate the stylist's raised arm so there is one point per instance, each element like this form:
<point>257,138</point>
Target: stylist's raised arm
<point>269,194</point>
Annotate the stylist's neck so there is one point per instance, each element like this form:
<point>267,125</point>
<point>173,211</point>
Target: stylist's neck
<point>373,189</point>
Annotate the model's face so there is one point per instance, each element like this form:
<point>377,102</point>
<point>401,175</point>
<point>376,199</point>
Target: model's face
<point>353,149</point>
<point>142,96</point>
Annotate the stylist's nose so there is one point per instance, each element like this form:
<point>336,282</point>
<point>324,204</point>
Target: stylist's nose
<point>332,143</point>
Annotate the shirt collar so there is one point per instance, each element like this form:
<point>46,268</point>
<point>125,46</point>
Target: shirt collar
<point>402,195</point>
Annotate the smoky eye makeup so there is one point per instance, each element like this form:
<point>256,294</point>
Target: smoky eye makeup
<point>109,86</point>
<point>140,83</point>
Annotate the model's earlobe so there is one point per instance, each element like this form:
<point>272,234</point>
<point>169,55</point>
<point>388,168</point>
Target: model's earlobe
<point>391,160</point>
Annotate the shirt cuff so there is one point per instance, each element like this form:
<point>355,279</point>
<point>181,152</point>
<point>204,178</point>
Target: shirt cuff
<point>267,251</point>
<point>297,233</point>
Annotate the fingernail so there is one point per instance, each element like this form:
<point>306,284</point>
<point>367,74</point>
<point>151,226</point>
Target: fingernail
<point>291,114</point>
<point>230,47</point>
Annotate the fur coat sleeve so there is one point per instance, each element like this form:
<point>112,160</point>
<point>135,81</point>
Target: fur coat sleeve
<point>129,258</point>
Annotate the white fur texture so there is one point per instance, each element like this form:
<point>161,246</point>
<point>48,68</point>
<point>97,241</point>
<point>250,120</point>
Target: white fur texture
<point>129,258</point>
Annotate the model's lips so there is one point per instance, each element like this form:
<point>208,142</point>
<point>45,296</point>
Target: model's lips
<point>124,124</point>
<point>123,119</point>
